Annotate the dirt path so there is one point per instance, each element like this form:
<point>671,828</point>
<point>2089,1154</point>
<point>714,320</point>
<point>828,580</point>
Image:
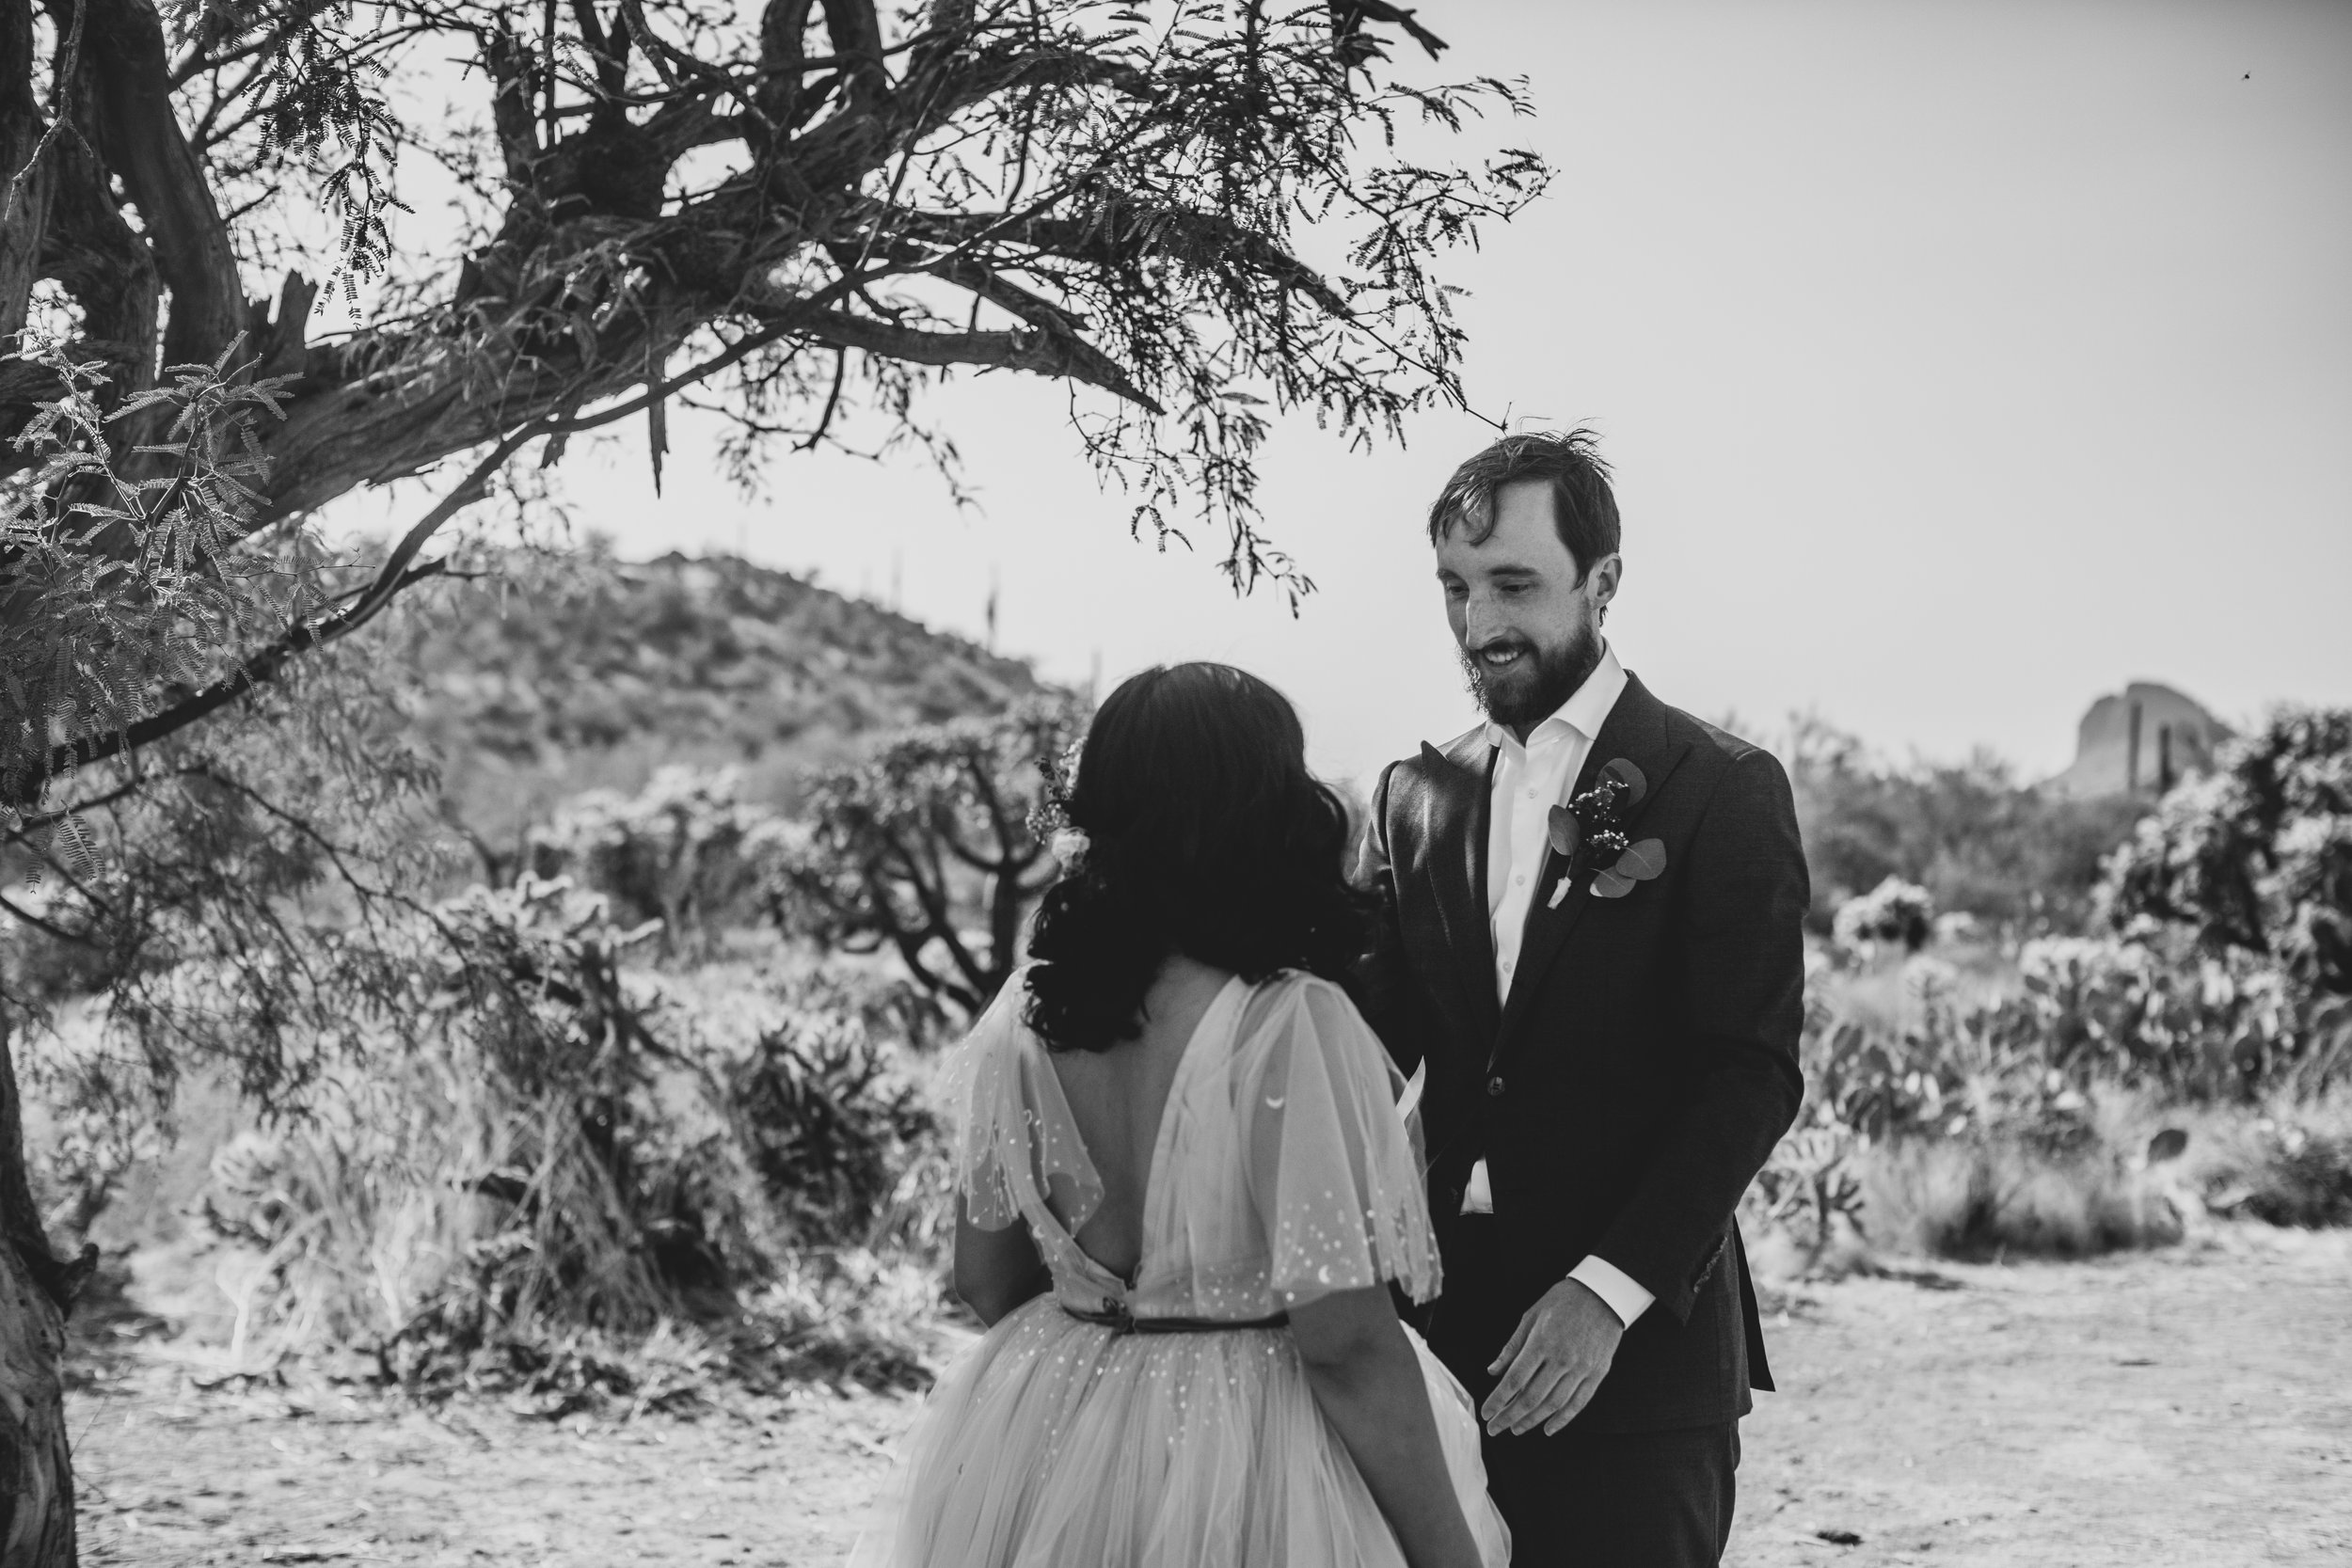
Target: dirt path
<point>2190,1408</point>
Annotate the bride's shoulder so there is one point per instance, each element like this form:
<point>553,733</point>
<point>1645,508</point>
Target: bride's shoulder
<point>1283,994</point>
<point>1003,1024</point>
<point>1302,983</point>
<point>1296,1018</point>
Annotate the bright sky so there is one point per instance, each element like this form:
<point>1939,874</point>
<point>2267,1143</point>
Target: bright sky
<point>1960,362</point>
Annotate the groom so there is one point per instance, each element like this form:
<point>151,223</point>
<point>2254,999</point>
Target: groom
<point>1589,934</point>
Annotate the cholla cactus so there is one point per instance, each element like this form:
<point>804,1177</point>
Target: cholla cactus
<point>1808,1186</point>
<point>685,851</point>
<point>1931,1001</point>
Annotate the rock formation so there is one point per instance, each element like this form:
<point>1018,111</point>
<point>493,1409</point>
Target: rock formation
<point>2140,742</point>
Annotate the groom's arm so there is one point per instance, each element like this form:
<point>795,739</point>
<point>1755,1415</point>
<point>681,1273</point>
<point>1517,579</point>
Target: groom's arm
<point>1742,979</point>
<point>1380,976</point>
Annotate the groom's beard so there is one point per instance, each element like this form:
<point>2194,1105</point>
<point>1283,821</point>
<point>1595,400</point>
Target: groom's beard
<point>1533,689</point>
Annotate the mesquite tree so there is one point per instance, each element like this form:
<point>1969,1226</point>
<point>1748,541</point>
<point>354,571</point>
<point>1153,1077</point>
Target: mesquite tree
<point>799,215</point>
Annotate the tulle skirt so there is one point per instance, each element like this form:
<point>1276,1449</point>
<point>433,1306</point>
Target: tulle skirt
<point>1057,1444</point>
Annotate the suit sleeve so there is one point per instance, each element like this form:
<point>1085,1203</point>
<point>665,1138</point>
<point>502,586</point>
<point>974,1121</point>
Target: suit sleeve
<point>1741,1008</point>
<point>1380,974</point>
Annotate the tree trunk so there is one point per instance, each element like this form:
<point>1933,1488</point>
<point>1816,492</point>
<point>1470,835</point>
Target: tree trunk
<point>36,1465</point>
<point>36,1460</point>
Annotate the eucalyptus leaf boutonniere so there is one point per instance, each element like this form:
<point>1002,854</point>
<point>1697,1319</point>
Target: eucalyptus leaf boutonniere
<point>1590,834</point>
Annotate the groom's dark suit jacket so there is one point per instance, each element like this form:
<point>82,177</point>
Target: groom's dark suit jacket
<point>1642,1066</point>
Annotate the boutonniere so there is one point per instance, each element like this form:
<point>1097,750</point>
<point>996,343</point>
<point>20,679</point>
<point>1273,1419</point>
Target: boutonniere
<point>1590,834</point>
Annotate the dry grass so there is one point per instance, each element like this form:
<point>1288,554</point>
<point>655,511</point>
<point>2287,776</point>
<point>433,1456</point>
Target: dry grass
<point>2122,1185</point>
<point>1977,1201</point>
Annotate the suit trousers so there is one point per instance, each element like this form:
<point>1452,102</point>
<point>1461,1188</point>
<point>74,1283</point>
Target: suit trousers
<point>1582,1499</point>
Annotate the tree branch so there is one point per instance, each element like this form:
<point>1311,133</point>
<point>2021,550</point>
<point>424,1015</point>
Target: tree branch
<point>18,911</point>
<point>24,141</point>
<point>198,57</point>
<point>128,80</point>
<point>508,64</point>
<point>128,786</point>
<point>1123,231</point>
<point>1038,351</point>
<point>94,253</point>
<point>266,663</point>
<point>856,34</point>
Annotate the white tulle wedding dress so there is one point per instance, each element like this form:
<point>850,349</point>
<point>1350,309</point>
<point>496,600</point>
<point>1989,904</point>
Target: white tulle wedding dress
<point>1282,1171</point>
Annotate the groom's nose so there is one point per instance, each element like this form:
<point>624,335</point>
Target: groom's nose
<point>1482,620</point>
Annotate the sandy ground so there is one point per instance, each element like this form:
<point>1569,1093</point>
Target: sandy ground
<point>2193,1407</point>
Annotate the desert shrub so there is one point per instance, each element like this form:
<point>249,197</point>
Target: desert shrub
<point>845,1317</point>
<point>685,851</point>
<point>454,1347</point>
<point>1987,1197</point>
<point>2309,1183</point>
<point>1894,912</point>
<point>1987,1126</point>
<point>841,1138</point>
<point>2205,1024</point>
<point>1959,1113</point>
<point>518,1146</point>
<point>1965,1107</point>
<point>2288,1174</point>
<point>2256,857</point>
<point>1974,1089</point>
<point>821,1143</point>
<point>558,1150</point>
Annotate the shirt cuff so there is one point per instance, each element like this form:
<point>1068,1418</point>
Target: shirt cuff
<point>1614,1286</point>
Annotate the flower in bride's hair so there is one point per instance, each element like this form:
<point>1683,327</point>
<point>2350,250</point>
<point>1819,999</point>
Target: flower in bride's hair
<point>1068,847</point>
<point>1050,816</point>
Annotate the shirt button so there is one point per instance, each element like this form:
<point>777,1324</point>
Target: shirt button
<point>1494,1086</point>
<point>1521,878</point>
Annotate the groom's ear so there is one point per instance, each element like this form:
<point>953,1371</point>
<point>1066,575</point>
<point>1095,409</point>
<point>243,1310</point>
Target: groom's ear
<point>1606,578</point>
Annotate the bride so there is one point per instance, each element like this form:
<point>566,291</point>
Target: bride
<point>1184,1189</point>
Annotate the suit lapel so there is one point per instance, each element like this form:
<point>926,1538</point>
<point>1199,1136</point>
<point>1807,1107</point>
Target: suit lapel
<point>1635,730</point>
<point>1459,778</point>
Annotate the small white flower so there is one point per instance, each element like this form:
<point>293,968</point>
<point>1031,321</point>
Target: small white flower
<point>1068,847</point>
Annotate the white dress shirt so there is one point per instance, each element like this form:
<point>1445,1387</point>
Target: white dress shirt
<point>1529,780</point>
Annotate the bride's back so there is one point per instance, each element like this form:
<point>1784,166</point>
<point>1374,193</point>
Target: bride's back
<point>1119,1096</point>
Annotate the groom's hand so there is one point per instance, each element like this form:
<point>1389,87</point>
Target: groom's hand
<point>1554,1363</point>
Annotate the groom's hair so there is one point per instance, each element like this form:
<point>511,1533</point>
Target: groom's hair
<point>1583,506</point>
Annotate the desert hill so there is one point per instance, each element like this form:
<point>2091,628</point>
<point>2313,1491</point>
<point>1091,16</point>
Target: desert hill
<point>592,673</point>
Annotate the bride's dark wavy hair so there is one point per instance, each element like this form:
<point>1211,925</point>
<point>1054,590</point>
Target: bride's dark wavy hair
<point>1206,836</point>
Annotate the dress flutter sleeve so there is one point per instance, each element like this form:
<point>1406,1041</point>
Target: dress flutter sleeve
<point>984,1097</point>
<point>1012,1132</point>
<point>1331,1168</point>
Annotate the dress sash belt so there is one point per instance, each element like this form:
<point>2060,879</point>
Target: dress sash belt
<point>1119,1320</point>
